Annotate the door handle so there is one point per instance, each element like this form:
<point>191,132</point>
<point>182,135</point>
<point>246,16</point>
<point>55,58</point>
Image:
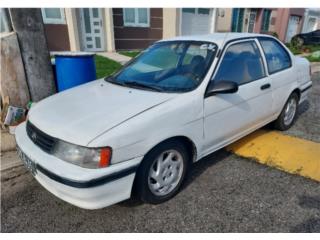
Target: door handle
<point>265,86</point>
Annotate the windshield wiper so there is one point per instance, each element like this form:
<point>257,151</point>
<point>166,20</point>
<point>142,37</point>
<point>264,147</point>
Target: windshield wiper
<point>132,84</point>
<point>141,85</point>
<point>111,79</point>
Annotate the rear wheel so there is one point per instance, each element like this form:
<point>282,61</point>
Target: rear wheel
<point>288,114</point>
<point>162,172</point>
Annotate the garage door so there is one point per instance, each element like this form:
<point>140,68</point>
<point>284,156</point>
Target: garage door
<point>197,21</point>
<point>292,27</point>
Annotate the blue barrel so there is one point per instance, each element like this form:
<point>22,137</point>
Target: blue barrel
<point>74,68</point>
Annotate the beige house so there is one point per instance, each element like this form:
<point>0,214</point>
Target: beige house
<point>93,29</point>
<point>106,29</point>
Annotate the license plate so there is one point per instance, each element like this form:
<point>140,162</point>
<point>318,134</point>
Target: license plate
<point>27,162</point>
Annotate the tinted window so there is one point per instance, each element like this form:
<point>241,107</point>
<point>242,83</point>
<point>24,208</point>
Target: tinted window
<point>242,63</point>
<point>277,57</point>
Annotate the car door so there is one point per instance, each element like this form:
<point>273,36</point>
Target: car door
<point>229,116</point>
<point>281,74</point>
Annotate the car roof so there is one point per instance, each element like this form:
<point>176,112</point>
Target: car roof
<point>218,38</point>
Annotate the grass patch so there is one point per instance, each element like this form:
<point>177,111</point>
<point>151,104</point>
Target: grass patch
<point>303,49</point>
<point>313,59</point>
<point>105,66</point>
<point>131,54</point>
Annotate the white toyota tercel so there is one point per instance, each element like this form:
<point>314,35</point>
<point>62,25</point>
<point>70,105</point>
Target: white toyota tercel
<point>139,130</point>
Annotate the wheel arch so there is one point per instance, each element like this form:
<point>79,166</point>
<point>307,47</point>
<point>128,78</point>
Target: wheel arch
<point>186,141</point>
<point>297,91</point>
<point>190,146</point>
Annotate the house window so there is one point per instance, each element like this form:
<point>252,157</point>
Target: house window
<point>136,17</point>
<point>205,11</point>
<point>53,15</point>
<point>189,10</point>
<point>265,20</point>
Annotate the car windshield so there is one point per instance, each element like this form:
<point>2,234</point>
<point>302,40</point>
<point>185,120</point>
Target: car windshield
<point>173,66</point>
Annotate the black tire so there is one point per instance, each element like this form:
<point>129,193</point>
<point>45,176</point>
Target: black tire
<point>142,189</point>
<point>280,124</point>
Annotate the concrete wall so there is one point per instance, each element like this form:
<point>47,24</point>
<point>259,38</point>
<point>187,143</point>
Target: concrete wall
<point>257,25</point>
<point>57,37</point>
<point>171,22</point>
<point>73,29</point>
<point>224,18</point>
<point>272,26</point>
<point>109,30</point>
<point>137,37</point>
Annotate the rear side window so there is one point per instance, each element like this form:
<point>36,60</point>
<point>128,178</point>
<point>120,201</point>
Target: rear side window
<point>241,63</point>
<point>277,57</point>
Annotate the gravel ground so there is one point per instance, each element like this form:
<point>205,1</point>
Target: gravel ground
<point>224,193</point>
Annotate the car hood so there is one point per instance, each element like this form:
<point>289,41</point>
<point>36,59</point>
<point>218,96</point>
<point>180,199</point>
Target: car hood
<point>81,114</point>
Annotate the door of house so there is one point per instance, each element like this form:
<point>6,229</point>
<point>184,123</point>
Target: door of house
<point>92,29</point>
<point>292,27</point>
<point>197,21</point>
<point>237,19</point>
<point>252,20</point>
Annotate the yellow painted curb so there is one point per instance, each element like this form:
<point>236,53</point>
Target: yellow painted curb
<point>291,154</point>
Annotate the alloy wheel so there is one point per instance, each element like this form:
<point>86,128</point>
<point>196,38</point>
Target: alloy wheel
<point>165,173</point>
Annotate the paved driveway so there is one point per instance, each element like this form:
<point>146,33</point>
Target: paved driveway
<point>225,193</point>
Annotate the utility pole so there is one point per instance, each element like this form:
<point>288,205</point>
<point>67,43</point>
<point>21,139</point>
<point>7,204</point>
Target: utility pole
<point>28,25</point>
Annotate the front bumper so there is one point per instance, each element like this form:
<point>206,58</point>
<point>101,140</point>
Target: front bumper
<point>85,188</point>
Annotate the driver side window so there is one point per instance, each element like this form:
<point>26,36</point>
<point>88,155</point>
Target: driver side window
<point>241,63</point>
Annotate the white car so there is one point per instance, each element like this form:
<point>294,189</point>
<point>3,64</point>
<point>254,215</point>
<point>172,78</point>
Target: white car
<point>139,130</point>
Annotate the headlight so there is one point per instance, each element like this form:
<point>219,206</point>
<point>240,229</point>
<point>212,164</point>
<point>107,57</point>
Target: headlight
<point>83,156</point>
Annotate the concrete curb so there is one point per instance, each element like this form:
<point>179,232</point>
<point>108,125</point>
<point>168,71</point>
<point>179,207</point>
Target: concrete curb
<point>315,67</point>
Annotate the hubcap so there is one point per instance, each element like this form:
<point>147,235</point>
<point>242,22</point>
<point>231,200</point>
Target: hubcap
<point>165,173</point>
<point>290,111</point>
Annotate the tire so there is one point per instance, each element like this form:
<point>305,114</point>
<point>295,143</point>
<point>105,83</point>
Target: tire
<point>149,178</point>
<point>286,119</point>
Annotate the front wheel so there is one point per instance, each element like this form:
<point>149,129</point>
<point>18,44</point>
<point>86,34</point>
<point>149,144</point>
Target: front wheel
<point>162,172</point>
<point>288,114</point>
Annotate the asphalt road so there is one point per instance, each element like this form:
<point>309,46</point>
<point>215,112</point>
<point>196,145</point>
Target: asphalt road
<point>224,193</point>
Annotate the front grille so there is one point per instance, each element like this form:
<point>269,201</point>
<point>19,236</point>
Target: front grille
<point>41,139</point>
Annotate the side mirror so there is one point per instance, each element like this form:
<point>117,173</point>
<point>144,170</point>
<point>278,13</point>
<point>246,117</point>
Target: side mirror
<point>221,87</point>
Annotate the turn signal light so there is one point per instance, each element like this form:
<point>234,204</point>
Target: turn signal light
<point>105,157</point>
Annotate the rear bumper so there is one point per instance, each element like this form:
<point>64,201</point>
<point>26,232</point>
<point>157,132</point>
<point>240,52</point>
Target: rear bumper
<point>85,188</point>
